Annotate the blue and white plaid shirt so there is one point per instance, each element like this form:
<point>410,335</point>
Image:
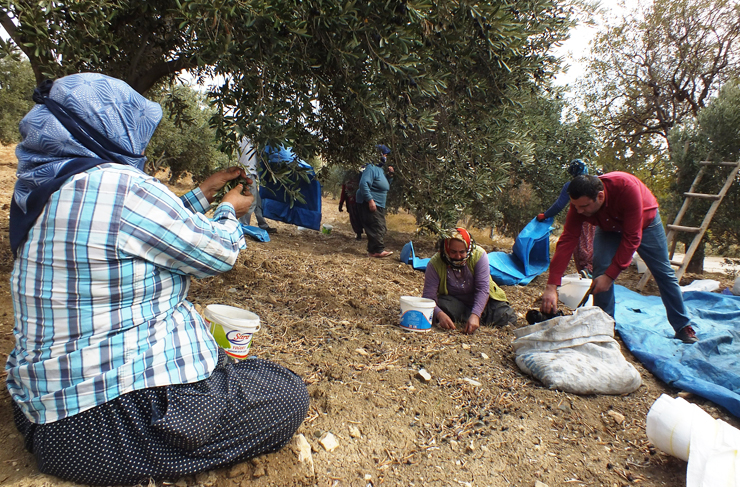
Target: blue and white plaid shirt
<point>99,292</point>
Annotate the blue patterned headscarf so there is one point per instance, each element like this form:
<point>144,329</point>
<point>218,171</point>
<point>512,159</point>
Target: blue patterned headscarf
<point>577,168</point>
<point>80,121</point>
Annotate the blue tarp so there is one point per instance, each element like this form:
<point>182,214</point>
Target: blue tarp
<point>256,233</point>
<point>709,368</point>
<point>408,256</point>
<point>529,258</point>
<point>277,206</point>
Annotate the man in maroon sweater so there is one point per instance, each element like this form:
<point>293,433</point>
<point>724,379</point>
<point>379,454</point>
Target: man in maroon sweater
<point>626,214</point>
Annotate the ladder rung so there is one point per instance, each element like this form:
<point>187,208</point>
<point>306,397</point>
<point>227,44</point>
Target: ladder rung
<point>679,228</point>
<point>702,196</point>
<point>723,163</point>
<point>679,263</point>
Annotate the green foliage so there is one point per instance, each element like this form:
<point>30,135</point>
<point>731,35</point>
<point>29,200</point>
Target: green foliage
<point>184,140</point>
<point>656,68</point>
<point>16,88</point>
<point>442,83</point>
<point>715,136</point>
<point>538,173</point>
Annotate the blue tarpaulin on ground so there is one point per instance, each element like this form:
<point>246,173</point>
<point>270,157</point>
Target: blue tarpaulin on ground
<point>709,368</point>
<point>276,204</point>
<point>529,258</point>
<point>257,233</point>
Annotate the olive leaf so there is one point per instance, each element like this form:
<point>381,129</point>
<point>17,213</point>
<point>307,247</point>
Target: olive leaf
<point>219,196</point>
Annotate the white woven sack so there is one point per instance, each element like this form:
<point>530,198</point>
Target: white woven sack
<point>576,354</point>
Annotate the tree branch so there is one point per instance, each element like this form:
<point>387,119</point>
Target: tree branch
<point>144,82</point>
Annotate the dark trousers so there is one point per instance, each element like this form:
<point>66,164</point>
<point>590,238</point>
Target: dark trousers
<point>355,219</point>
<point>374,224</point>
<point>242,410</point>
<point>496,313</point>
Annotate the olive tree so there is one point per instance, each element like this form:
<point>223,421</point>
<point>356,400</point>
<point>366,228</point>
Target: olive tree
<point>441,83</point>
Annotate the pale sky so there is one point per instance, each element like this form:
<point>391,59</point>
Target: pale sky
<point>578,46</point>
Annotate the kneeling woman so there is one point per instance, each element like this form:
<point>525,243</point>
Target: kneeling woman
<point>458,279</point>
<point>114,376</point>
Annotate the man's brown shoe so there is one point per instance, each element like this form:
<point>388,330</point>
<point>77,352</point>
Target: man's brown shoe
<point>380,255</point>
<point>687,335</point>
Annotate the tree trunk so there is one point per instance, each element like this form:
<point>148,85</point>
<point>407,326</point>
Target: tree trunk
<point>696,265</point>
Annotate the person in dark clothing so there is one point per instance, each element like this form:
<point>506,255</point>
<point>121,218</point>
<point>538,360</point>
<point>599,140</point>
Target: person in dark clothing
<point>349,192</point>
<point>584,253</point>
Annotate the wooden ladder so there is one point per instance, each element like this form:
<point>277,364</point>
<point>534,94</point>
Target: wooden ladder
<point>697,231</point>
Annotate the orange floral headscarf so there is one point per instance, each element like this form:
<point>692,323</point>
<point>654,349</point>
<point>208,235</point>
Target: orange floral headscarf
<point>465,237</point>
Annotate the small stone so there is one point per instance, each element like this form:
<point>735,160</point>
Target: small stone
<point>484,356</point>
<point>259,472</point>
<point>368,476</point>
<point>300,446</point>
<point>471,447</point>
<point>472,382</point>
<point>354,431</point>
<point>233,290</point>
<point>207,479</point>
<point>238,470</point>
<point>537,483</point>
<point>361,351</point>
<point>424,375</point>
<point>329,442</point>
<point>617,417</point>
<point>181,483</point>
<point>465,346</point>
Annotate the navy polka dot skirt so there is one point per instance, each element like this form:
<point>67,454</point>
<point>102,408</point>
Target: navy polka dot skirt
<point>242,410</point>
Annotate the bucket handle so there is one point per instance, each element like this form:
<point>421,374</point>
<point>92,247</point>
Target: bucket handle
<point>588,293</point>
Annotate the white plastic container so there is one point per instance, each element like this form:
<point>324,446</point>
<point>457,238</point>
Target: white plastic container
<point>572,290</point>
<point>639,263</point>
<point>232,328</point>
<point>417,313</point>
<point>686,431</point>
<point>736,287</point>
<point>326,229</point>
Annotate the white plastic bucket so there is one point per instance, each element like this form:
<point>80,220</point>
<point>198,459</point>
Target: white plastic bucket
<point>326,229</point>
<point>417,313</point>
<point>573,289</point>
<point>232,328</point>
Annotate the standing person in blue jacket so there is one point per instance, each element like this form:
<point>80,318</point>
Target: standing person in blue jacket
<point>371,197</point>
<point>584,253</point>
<point>114,376</point>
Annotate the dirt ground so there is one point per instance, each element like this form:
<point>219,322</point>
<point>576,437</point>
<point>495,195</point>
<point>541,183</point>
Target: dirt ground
<point>330,313</point>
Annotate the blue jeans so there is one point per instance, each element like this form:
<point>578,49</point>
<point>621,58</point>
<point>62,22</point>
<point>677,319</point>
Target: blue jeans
<point>654,251</point>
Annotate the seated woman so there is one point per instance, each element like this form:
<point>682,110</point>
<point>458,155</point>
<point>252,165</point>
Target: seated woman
<point>114,376</point>
<point>459,279</point>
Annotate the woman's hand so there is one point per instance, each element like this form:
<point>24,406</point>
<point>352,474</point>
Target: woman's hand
<point>217,180</point>
<point>239,201</point>
<point>371,205</point>
<point>472,324</point>
<point>444,321</point>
